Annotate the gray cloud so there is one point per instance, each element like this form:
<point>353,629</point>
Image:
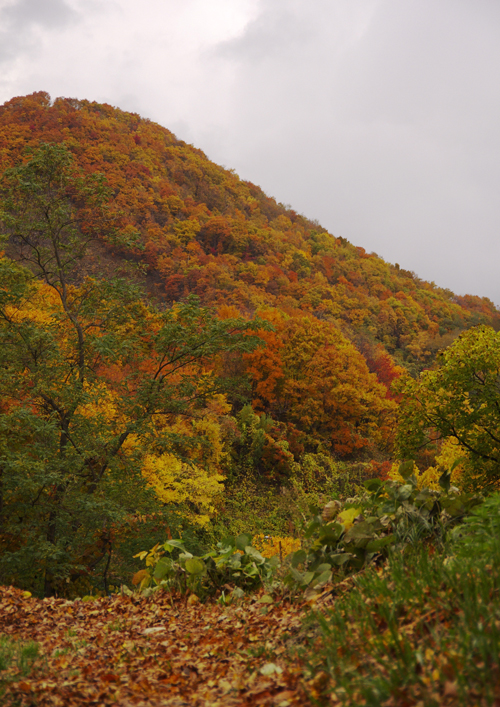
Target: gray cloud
<point>45,13</point>
<point>382,123</point>
<point>20,20</point>
<point>377,117</point>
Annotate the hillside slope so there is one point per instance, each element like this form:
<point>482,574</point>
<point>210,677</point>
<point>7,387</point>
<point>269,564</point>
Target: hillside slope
<point>203,230</point>
<point>345,320</point>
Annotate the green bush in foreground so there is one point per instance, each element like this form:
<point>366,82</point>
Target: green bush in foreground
<point>339,541</point>
<point>346,537</point>
<point>235,563</point>
<point>424,630</point>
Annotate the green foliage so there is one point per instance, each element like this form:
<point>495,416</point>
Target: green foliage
<point>480,531</point>
<point>252,504</point>
<point>258,449</point>
<point>459,399</point>
<point>49,206</point>
<point>390,515</point>
<point>424,629</point>
<point>235,564</point>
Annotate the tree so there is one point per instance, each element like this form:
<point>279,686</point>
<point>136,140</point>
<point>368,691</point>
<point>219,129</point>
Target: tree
<point>459,400</point>
<point>314,378</point>
<point>92,379</point>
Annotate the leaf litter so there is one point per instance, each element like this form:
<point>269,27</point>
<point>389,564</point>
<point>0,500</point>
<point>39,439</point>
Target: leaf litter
<point>132,650</point>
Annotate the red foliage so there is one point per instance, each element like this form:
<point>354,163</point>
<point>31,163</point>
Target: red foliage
<point>380,470</point>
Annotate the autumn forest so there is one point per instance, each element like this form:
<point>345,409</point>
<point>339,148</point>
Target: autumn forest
<point>213,412</point>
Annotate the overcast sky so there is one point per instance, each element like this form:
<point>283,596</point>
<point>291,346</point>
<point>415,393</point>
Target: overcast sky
<point>379,118</point>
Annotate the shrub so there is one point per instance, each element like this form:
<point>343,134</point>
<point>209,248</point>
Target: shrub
<point>234,564</point>
<point>390,514</point>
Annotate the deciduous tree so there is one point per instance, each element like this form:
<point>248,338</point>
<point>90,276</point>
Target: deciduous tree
<point>458,400</point>
<point>91,377</point>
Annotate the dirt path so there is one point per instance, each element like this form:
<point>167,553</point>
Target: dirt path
<point>135,651</point>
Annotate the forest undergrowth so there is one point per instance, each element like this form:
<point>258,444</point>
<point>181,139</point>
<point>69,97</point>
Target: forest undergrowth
<point>421,627</point>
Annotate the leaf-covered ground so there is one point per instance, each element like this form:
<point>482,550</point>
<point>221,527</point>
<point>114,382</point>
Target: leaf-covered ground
<point>136,651</point>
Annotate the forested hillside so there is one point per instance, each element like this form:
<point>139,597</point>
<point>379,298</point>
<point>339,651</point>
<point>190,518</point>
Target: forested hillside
<point>345,321</point>
<point>198,228</point>
<point>117,381</point>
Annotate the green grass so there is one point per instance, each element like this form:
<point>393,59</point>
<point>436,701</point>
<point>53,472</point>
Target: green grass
<point>16,659</point>
<point>424,630</point>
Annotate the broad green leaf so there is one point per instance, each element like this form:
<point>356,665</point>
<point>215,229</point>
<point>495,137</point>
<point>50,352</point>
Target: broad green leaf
<point>171,544</point>
<point>404,492</point>
<point>253,553</point>
<point>379,543</point>
<point>307,577</point>
<point>360,531</point>
<point>323,567</point>
<point>321,579</point>
<point>234,561</point>
<point>331,533</point>
<point>341,558</point>
<point>373,484</point>
<point>312,527</point>
<point>242,541</point>
<point>296,575</point>
<point>250,571</point>
<point>194,565</point>
<point>228,544</point>
<point>163,567</point>
<point>299,557</point>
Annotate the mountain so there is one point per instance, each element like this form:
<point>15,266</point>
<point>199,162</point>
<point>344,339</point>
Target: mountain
<point>346,322</point>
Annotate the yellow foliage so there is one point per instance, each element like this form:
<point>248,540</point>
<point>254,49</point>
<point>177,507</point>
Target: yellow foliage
<point>198,481</point>
<point>103,405</point>
<point>39,308</point>
<point>269,545</point>
<point>346,518</point>
<point>450,453</point>
<point>210,452</point>
<point>178,482</point>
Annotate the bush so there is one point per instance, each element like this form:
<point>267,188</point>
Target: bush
<point>235,564</point>
<point>345,537</point>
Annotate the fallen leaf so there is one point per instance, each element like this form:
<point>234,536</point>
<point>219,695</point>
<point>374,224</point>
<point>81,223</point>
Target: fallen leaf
<point>271,669</point>
<point>153,629</point>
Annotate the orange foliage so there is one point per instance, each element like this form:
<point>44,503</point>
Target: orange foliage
<point>312,376</point>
